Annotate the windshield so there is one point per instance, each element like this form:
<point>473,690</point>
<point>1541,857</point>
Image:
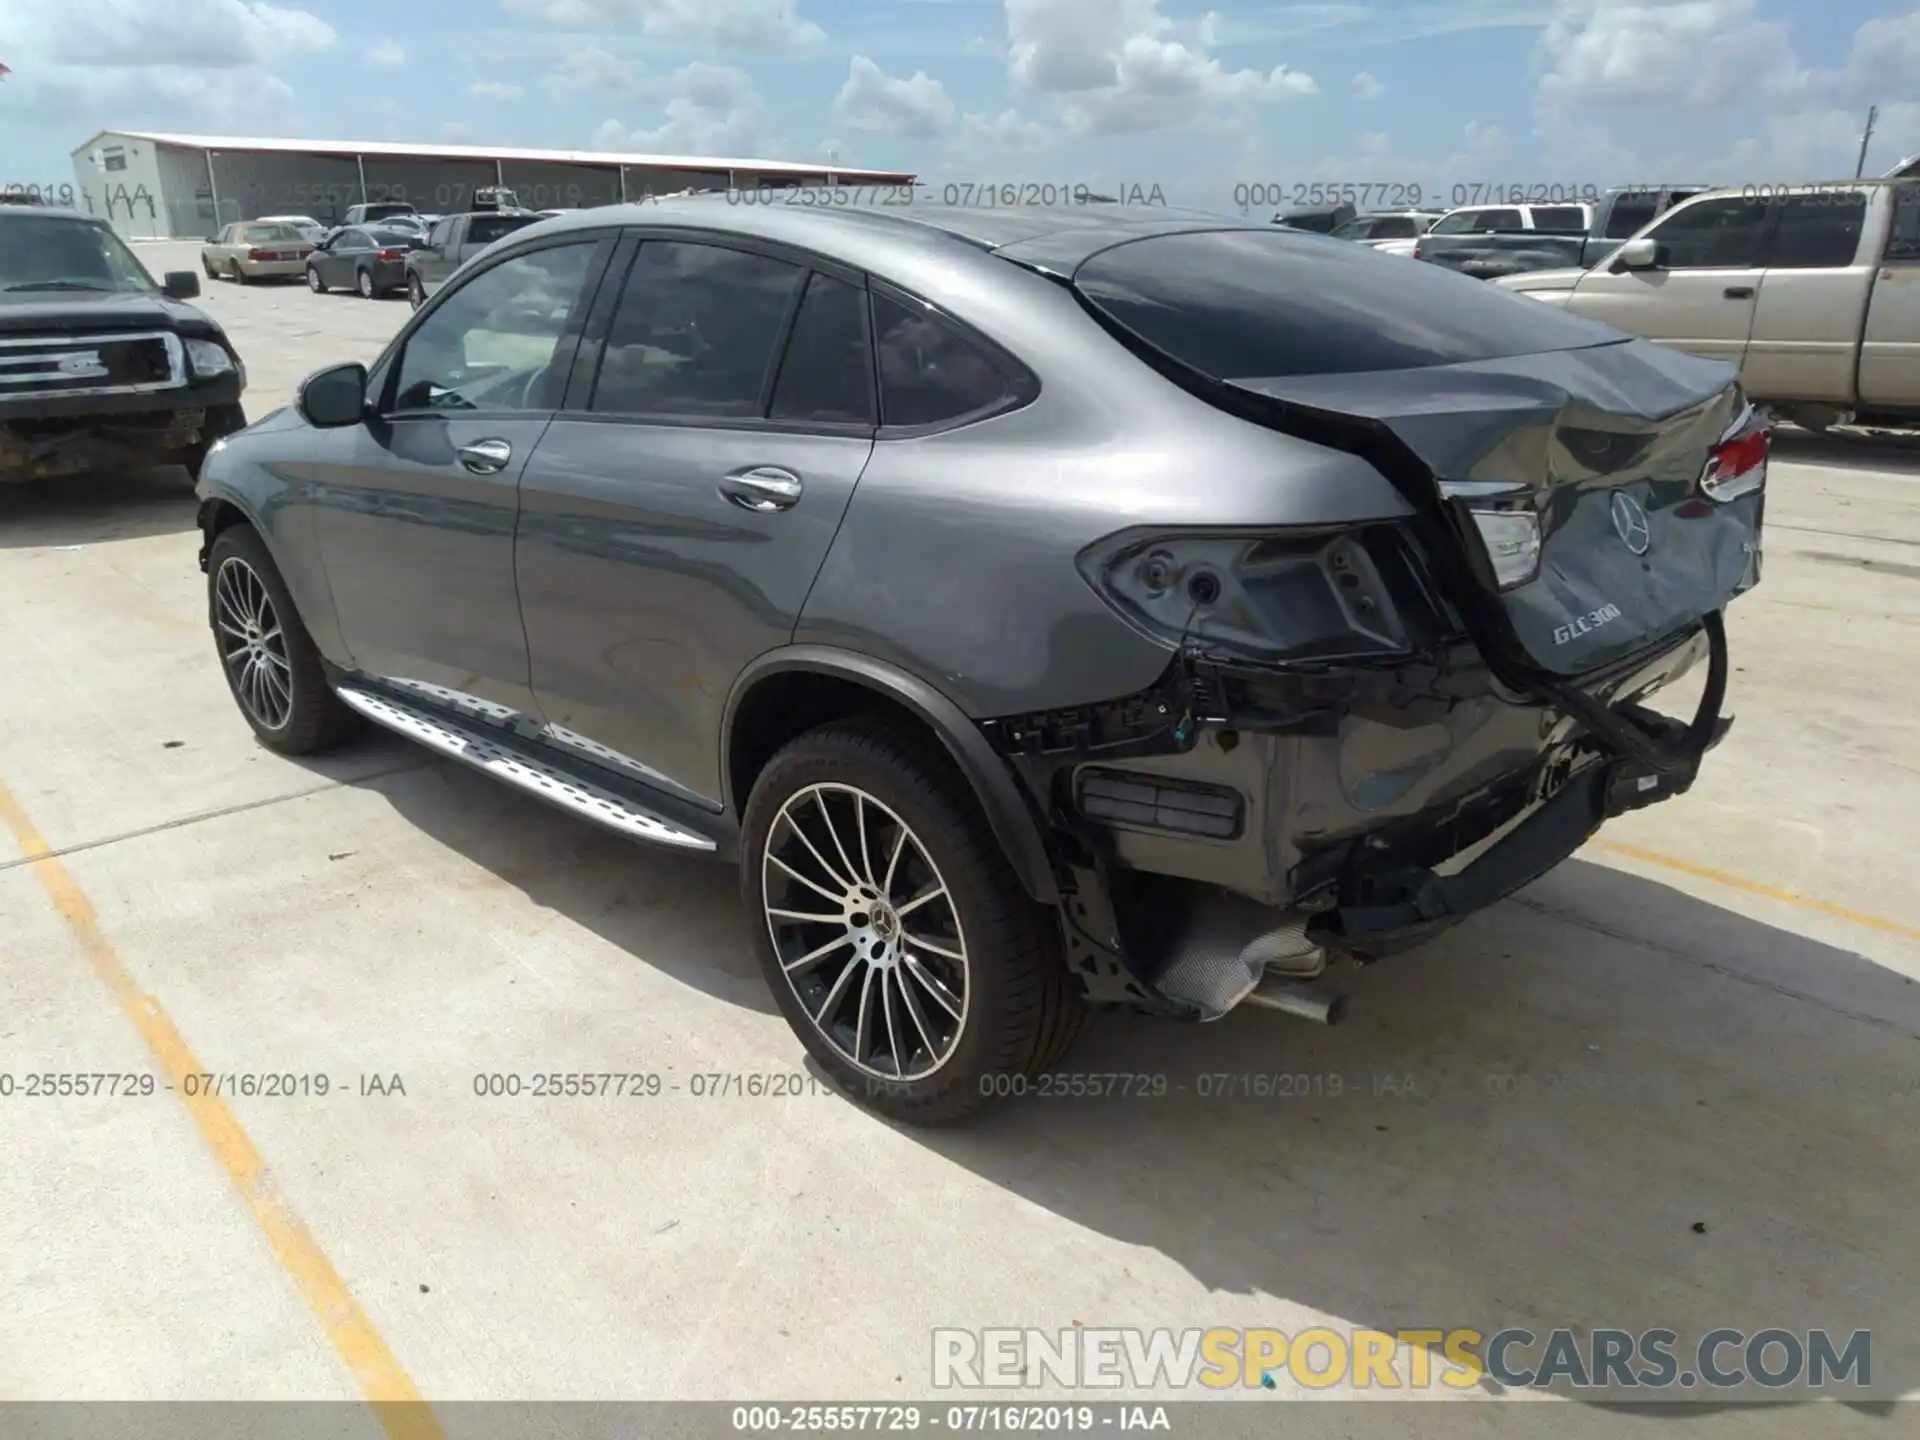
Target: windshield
<point>382,212</point>
<point>385,236</point>
<point>262,234</point>
<point>48,253</point>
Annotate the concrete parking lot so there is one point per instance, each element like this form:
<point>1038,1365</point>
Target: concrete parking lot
<point>1676,1083</point>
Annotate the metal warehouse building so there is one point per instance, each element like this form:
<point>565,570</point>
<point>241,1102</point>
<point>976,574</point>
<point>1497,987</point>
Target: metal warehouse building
<point>187,186</point>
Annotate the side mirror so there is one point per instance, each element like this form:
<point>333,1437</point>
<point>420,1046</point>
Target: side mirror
<point>333,397</point>
<point>213,239</point>
<point>1643,254</point>
<point>180,285</point>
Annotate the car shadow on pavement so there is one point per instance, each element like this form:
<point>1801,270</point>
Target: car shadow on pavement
<point>1851,449</point>
<point>1602,1102</point>
<point>68,510</point>
<point>678,913</point>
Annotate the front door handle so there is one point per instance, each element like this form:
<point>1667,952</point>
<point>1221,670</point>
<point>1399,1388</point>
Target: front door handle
<point>1738,292</point>
<point>484,457</point>
<point>762,489</point>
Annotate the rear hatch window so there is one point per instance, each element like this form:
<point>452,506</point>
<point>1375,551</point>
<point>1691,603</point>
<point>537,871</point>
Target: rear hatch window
<point>1600,436</point>
<point>1250,304</point>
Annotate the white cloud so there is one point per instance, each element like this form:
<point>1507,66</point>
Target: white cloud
<point>1008,132</point>
<point>917,106</point>
<point>1689,54</point>
<point>708,110</point>
<point>757,26</point>
<point>388,55</point>
<point>1120,66</point>
<point>191,64</point>
<point>495,90</point>
<point>1367,87</point>
<point>598,70</point>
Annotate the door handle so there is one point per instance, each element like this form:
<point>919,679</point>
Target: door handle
<point>762,489</point>
<point>484,457</point>
<point>1738,292</point>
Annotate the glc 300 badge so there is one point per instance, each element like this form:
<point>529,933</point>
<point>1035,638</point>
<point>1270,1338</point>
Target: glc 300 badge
<point>1630,523</point>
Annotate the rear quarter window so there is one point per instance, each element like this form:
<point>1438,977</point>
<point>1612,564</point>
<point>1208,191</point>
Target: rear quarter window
<point>1253,304</point>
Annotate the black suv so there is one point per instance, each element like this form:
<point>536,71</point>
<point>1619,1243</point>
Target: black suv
<point>100,367</point>
<point>1039,606</point>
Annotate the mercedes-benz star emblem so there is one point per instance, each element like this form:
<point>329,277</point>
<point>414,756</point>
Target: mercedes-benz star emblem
<point>1630,523</point>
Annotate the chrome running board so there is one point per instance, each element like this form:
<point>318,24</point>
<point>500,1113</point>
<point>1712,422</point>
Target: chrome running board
<point>524,771</point>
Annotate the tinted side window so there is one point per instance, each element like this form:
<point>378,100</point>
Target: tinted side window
<point>827,372</point>
<point>1813,231</point>
<point>485,229</point>
<point>929,372</point>
<point>1629,214</point>
<point>1713,234</point>
<point>1250,304</point>
<point>1460,222</point>
<point>1903,240</point>
<point>438,238</point>
<point>1560,219</point>
<point>1492,220</point>
<point>695,331</point>
<point>492,342</point>
<point>1395,227</point>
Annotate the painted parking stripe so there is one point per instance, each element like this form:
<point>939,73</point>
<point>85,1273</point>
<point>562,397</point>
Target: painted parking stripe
<point>388,1388</point>
<point>1757,887</point>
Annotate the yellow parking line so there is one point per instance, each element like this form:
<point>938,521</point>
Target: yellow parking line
<point>1756,887</point>
<point>388,1388</point>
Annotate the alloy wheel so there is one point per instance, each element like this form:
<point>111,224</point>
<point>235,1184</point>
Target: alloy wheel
<point>252,644</point>
<point>366,285</point>
<point>866,932</point>
<point>313,280</point>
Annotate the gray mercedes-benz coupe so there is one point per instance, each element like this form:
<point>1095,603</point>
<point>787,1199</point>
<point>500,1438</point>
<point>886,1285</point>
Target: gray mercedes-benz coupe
<point>1041,607</point>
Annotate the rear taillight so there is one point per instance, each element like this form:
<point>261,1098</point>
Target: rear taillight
<point>1738,464</point>
<point>258,254</point>
<point>389,254</point>
<point>1266,595</point>
<point>1507,523</point>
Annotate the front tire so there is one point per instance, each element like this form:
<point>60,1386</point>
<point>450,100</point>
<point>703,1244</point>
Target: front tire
<point>416,293</point>
<point>314,282</point>
<point>272,666</point>
<point>896,938</point>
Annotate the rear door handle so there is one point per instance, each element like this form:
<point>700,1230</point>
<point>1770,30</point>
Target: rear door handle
<point>485,457</point>
<point>1738,292</point>
<point>762,489</point>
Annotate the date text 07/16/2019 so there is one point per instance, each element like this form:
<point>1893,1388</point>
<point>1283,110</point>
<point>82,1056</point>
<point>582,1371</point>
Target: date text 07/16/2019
<point>1409,194</point>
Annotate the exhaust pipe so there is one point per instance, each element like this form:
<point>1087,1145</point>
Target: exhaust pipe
<point>1292,997</point>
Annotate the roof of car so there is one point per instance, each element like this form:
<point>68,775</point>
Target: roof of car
<point>1048,238</point>
<point>51,212</point>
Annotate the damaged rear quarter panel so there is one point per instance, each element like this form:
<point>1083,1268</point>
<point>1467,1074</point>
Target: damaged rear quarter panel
<point>956,560</point>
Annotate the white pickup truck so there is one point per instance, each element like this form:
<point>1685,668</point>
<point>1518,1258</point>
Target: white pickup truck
<point>1812,290</point>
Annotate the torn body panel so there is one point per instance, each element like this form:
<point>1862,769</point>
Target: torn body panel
<point>1332,794</point>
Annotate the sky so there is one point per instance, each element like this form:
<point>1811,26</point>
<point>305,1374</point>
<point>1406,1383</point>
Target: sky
<point>1201,102</point>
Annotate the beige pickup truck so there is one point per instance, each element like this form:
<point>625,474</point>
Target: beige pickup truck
<point>1812,290</point>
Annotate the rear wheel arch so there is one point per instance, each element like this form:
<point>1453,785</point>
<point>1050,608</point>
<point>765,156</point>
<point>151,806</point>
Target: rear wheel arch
<point>788,692</point>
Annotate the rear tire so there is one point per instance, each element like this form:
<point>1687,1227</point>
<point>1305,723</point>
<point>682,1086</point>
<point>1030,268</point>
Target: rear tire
<point>364,283</point>
<point>272,666</point>
<point>957,972</point>
<point>239,274</point>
